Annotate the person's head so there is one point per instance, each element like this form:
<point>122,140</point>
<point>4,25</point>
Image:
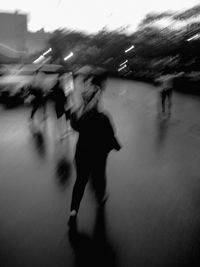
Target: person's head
<point>94,85</point>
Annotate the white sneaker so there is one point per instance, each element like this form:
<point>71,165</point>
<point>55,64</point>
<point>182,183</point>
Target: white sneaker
<point>73,213</point>
<point>72,219</point>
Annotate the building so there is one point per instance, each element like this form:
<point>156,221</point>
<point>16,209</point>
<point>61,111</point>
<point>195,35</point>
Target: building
<point>13,30</point>
<point>16,42</point>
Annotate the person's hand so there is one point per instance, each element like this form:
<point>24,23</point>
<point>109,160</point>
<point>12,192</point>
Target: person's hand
<point>181,74</point>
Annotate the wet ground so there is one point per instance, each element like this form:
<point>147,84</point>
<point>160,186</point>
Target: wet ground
<point>152,217</point>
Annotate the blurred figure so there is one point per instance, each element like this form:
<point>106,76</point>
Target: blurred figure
<point>39,143</point>
<point>63,163</point>
<point>96,140</point>
<point>166,91</point>
<point>60,101</point>
<point>38,97</point>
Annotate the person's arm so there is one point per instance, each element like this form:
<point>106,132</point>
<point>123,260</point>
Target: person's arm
<point>116,145</point>
<point>74,118</point>
<point>76,107</point>
<point>75,98</point>
<point>114,142</point>
<point>180,74</point>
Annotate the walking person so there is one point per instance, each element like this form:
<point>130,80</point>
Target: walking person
<point>38,97</point>
<point>166,91</point>
<point>60,101</point>
<point>96,139</point>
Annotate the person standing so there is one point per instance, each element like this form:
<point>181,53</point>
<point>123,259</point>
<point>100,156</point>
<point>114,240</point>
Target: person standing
<point>38,98</point>
<point>166,91</point>
<point>96,139</point>
<point>60,101</point>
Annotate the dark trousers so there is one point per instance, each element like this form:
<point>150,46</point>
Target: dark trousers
<point>40,104</point>
<point>166,95</point>
<point>89,166</point>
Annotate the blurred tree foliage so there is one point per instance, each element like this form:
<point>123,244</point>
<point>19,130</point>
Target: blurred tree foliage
<point>155,48</point>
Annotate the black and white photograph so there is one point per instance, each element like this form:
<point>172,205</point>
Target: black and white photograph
<point>99,133</point>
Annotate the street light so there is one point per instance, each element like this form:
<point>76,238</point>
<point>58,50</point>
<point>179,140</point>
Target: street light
<point>129,49</point>
<point>42,57</point>
<point>195,37</point>
<point>122,67</point>
<point>69,56</point>
<point>48,51</point>
<point>124,62</point>
<point>39,59</point>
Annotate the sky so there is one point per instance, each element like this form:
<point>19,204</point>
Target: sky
<point>90,15</point>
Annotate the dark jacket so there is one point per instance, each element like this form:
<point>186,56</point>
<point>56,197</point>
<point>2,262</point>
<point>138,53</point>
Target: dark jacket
<point>37,93</point>
<point>57,95</point>
<point>96,133</point>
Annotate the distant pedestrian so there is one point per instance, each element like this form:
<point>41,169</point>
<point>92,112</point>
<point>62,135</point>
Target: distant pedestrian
<point>60,101</point>
<point>166,91</point>
<point>38,96</point>
<point>96,139</point>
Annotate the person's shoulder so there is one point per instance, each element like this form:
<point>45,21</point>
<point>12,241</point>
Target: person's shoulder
<point>104,114</point>
<point>106,117</point>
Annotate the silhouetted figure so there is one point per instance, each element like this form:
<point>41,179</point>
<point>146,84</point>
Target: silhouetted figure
<point>39,141</point>
<point>96,140</point>
<point>60,101</point>
<point>63,169</point>
<point>166,93</point>
<point>167,82</point>
<point>63,162</point>
<point>38,97</point>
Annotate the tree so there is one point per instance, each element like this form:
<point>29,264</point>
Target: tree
<point>151,43</point>
<point>153,17</point>
<point>63,42</point>
<point>188,14</point>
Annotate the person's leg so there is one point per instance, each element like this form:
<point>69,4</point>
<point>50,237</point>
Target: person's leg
<point>163,98</point>
<point>44,107</point>
<point>169,101</point>
<point>33,111</point>
<point>58,124</point>
<point>35,106</point>
<point>67,115</point>
<point>41,111</point>
<point>67,123</point>
<point>82,175</point>
<point>98,177</point>
<point>83,171</point>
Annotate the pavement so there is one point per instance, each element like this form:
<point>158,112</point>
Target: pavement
<point>152,215</point>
